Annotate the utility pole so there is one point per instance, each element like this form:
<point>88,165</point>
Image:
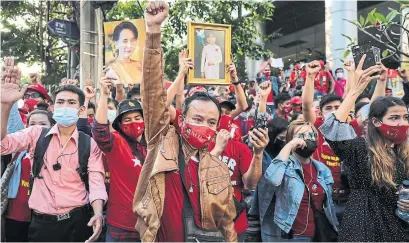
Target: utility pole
<point>88,43</point>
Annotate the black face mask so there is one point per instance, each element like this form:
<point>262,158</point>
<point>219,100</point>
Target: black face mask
<point>308,150</point>
<point>278,144</point>
<point>298,87</point>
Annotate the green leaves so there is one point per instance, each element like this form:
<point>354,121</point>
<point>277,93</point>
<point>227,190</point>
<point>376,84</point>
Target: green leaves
<point>346,53</point>
<point>362,20</point>
<point>349,38</point>
<point>391,15</point>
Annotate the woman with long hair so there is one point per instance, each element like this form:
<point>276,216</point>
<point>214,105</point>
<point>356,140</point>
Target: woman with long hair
<point>378,163</point>
<point>295,190</point>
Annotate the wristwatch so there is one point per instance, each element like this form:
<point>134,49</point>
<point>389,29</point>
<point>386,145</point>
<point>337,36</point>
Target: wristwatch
<point>236,83</point>
<point>102,216</point>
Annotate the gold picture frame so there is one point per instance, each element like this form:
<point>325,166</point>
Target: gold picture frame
<point>209,47</point>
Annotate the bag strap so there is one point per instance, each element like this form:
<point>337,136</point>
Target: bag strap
<point>84,151</point>
<point>312,204</point>
<point>38,162</point>
<point>182,165</point>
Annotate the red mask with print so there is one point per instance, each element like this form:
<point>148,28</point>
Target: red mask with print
<point>90,120</point>
<point>287,109</point>
<point>225,123</point>
<point>397,134</point>
<point>134,129</point>
<point>197,136</point>
<point>267,73</point>
<point>29,105</point>
<point>297,108</point>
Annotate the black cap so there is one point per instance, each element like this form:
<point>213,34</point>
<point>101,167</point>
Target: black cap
<point>223,101</point>
<point>124,107</point>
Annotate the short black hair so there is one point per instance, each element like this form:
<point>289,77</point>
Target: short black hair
<point>43,112</point>
<point>202,96</point>
<point>91,106</point>
<point>122,26</point>
<point>115,102</point>
<point>281,98</point>
<point>362,96</point>
<point>328,99</point>
<point>73,89</point>
<point>136,90</point>
<point>336,70</point>
<point>359,105</point>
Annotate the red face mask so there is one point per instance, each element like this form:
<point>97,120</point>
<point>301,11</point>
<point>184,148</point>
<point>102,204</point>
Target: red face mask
<point>30,105</point>
<point>225,123</point>
<point>397,134</point>
<point>287,109</point>
<point>134,129</point>
<point>196,135</point>
<point>267,73</point>
<point>90,120</point>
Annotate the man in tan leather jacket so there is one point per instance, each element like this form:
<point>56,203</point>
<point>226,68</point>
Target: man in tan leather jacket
<point>158,199</point>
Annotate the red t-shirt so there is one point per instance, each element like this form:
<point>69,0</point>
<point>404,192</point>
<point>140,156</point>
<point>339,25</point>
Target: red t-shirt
<point>304,221</point>
<point>18,207</point>
<point>354,124</point>
<point>237,156</point>
<point>171,223</point>
<point>322,81</point>
<point>325,154</point>
<point>124,170</point>
<point>244,125</point>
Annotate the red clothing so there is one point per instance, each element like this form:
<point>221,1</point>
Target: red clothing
<point>325,154</point>
<point>354,124</point>
<point>244,125</point>
<point>237,156</point>
<point>171,223</point>
<point>322,81</point>
<point>303,74</point>
<point>304,221</point>
<point>18,207</point>
<point>107,173</point>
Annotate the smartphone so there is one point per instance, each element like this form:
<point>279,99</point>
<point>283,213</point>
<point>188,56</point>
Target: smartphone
<point>373,55</point>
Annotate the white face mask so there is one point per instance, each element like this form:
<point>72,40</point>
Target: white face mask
<point>340,75</point>
<point>111,116</point>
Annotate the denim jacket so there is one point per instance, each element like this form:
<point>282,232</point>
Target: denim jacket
<point>281,181</point>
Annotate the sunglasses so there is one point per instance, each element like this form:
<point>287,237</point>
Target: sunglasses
<point>33,95</point>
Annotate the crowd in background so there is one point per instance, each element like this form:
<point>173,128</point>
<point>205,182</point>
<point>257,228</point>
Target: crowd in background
<point>306,154</point>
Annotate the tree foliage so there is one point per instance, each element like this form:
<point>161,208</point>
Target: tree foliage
<point>25,35</point>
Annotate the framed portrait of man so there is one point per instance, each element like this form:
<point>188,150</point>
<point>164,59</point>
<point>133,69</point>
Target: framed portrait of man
<point>124,44</point>
<point>210,48</point>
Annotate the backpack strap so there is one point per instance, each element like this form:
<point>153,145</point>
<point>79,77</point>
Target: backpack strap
<point>38,162</point>
<point>84,151</point>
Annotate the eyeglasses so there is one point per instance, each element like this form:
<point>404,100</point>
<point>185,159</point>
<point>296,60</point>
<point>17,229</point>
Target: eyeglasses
<point>304,136</point>
<point>33,95</point>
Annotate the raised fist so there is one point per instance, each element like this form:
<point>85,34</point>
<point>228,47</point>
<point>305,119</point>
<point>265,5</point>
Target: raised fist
<point>155,14</point>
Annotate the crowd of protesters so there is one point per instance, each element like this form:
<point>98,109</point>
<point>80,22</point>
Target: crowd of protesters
<point>302,155</point>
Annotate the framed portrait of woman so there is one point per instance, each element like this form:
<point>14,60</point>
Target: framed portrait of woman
<point>124,44</point>
<point>210,48</point>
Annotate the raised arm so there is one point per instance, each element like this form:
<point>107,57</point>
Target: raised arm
<point>380,84</point>
<point>100,130</point>
<point>264,91</point>
<point>152,89</point>
<point>312,70</point>
<point>362,79</point>
<point>349,66</point>
<point>120,92</point>
<point>238,90</point>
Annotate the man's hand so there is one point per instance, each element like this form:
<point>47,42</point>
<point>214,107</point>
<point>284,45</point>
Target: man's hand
<point>297,143</point>
<point>384,73</point>
<point>313,68</point>
<point>156,12</point>
<point>96,222</point>
<point>265,89</point>
<point>10,83</point>
<point>35,78</point>
<point>185,63</point>
<point>222,138</point>
<point>259,138</point>
<point>233,72</point>
<point>403,74</point>
<point>349,65</point>
<point>89,91</point>
<point>65,81</point>
<point>106,85</point>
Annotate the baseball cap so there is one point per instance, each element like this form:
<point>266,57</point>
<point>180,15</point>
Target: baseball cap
<point>223,101</point>
<point>296,100</point>
<point>124,107</point>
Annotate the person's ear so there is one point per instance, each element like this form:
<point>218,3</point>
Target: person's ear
<point>376,122</point>
<point>82,109</point>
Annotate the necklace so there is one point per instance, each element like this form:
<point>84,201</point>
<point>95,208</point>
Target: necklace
<point>191,181</point>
